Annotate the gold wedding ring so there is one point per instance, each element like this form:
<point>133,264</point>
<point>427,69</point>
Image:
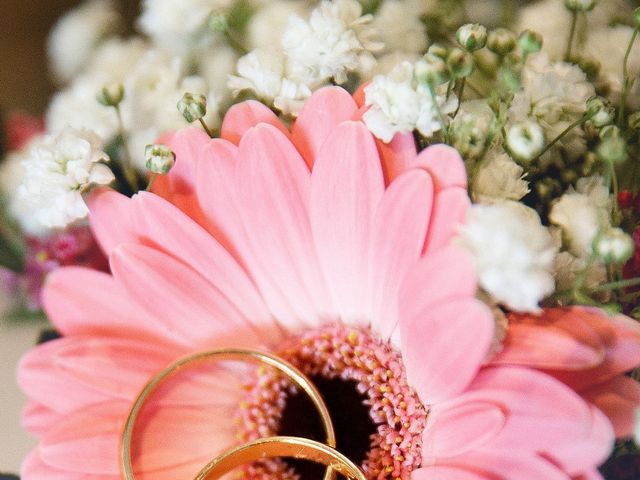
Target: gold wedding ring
<point>337,463</point>
<point>293,447</point>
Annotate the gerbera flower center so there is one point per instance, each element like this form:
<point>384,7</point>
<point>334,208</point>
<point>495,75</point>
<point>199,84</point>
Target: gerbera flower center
<point>377,417</point>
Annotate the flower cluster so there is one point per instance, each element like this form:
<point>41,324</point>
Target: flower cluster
<point>432,207</point>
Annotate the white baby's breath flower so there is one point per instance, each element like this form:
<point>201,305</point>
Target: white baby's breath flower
<point>498,178</point>
<point>267,24</point>
<point>608,46</point>
<point>582,213</point>
<point>337,39</point>
<point>114,58</point>
<point>525,140</point>
<point>179,26</point>
<point>513,253</point>
<point>215,68</point>
<point>58,171</point>
<point>264,73</point>
<point>77,107</point>
<point>399,26</point>
<point>470,129</point>
<point>399,105</point>
<point>549,17</point>
<point>555,95</point>
<point>75,36</point>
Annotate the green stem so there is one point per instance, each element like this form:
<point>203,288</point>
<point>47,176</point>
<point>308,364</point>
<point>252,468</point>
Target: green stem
<point>152,179</point>
<point>206,127</point>
<point>616,188</point>
<point>572,32</point>
<point>460,92</point>
<point>631,282</point>
<point>127,167</point>
<point>436,105</point>
<point>562,134</point>
<point>626,81</point>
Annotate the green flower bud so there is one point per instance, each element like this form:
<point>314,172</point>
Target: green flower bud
<point>193,106</point>
<point>438,50</point>
<point>159,158</point>
<point>530,41</point>
<point>636,17</point>
<point>613,246</point>
<point>460,63</point>
<point>111,95</point>
<point>600,111</point>
<point>525,140</point>
<point>612,150</point>
<point>472,36</point>
<point>501,41</point>
<point>218,23</point>
<point>430,69</point>
<point>634,121</point>
<point>579,5</point>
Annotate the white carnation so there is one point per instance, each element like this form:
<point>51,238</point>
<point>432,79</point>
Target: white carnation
<point>513,253</point>
<point>179,26</point>
<point>582,213</point>
<point>398,105</point>
<point>498,178</point>
<point>555,95</point>
<point>337,39</point>
<point>76,35</point>
<point>58,170</point>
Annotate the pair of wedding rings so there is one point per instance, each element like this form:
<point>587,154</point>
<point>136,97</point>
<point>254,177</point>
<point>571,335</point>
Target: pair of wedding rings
<point>271,447</point>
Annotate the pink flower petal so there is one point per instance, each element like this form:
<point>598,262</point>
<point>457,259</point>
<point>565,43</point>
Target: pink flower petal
<point>186,144</point>
<point>547,347</point>
<point>449,212</point>
<point>453,431</point>
<point>241,117</point>
<point>163,226</point>
<point>399,228</point>
<point>273,185</point>
<point>180,298</point>
<point>444,472</point>
<point>34,468</point>
<point>445,165</point>
<point>216,193</point>
<point>444,275</point>
<point>618,398</point>
<point>346,187</point>
<point>82,301</point>
<point>326,108</point>
<point>444,346</point>
<point>37,419</point>
<point>91,434</point>
<point>110,218</point>
<point>397,156</point>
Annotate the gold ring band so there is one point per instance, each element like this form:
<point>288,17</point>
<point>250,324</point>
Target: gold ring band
<point>293,447</point>
<point>244,355</point>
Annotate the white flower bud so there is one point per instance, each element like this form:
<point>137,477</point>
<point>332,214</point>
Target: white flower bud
<point>159,158</point>
<point>501,41</point>
<point>430,69</point>
<point>599,111</point>
<point>580,5</point>
<point>613,246</point>
<point>613,149</point>
<point>472,36</point>
<point>111,95</point>
<point>193,106</point>
<point>525,140</point>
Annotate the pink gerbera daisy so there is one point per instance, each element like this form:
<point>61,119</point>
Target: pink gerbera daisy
<point>324,247</point>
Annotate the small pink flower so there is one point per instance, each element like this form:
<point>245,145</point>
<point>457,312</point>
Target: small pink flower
<point>321,245</point>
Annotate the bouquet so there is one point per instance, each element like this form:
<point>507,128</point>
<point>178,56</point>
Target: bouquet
<point>421,218</point>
